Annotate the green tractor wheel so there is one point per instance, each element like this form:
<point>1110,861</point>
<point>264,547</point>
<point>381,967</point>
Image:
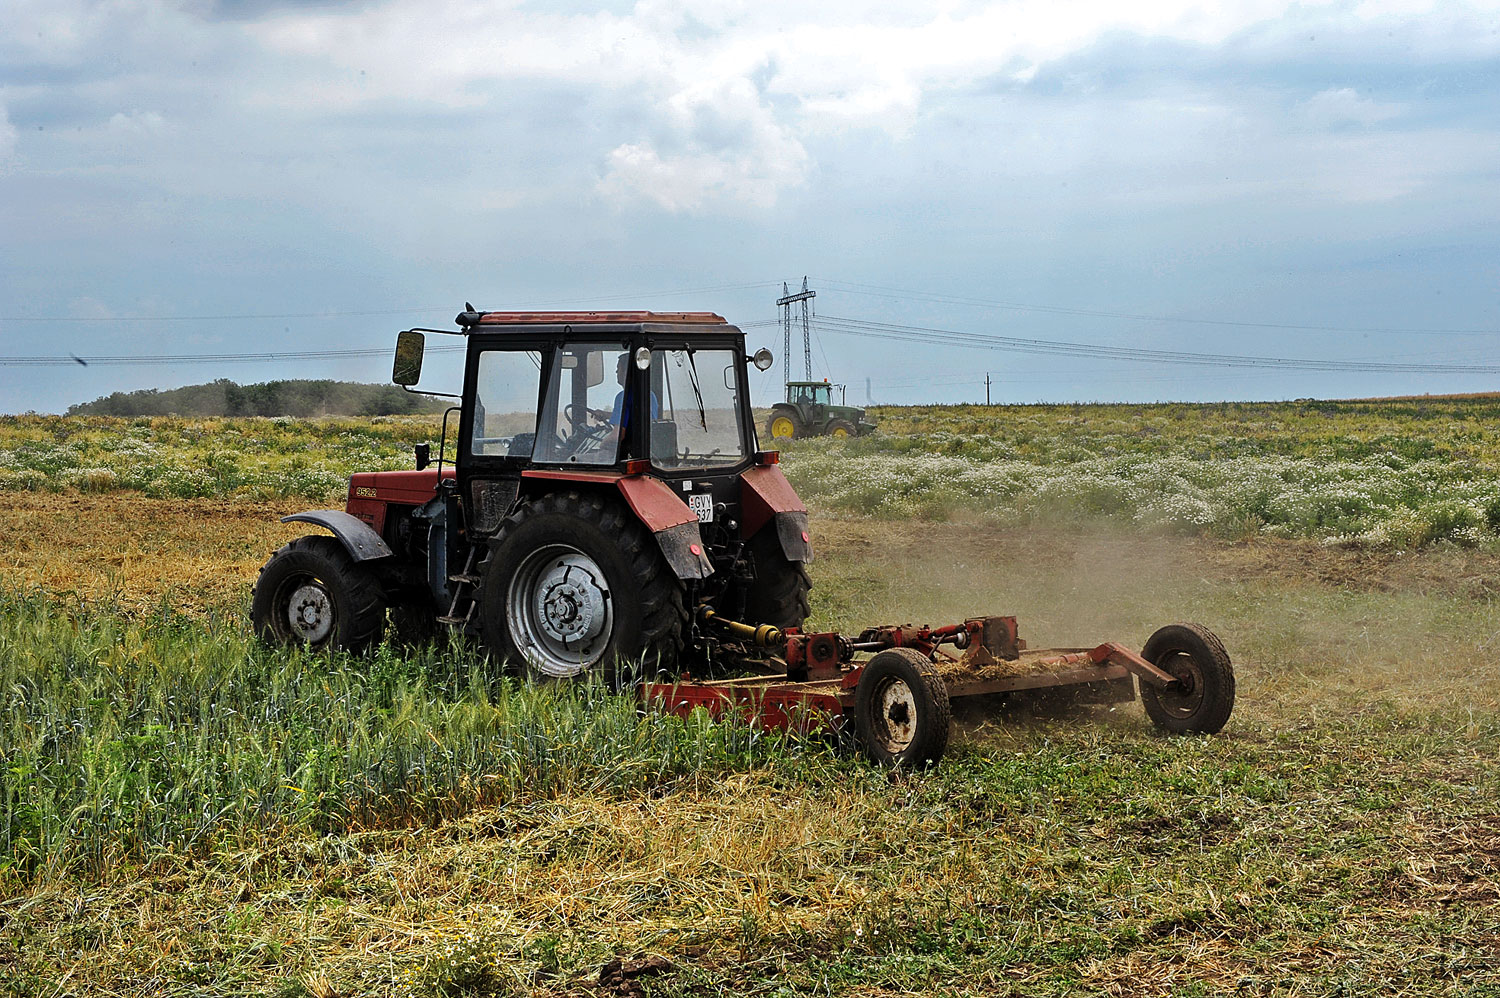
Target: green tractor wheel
<point>784,426</point>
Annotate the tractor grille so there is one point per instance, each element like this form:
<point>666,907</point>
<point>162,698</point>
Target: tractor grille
<point>492,500</point>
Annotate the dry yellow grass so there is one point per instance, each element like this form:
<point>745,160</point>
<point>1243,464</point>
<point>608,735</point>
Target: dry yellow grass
<point>193,553</point>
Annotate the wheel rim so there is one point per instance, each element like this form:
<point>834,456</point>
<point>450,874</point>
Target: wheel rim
<point>559,611</point>
<point>895,720</point>
<point>840,432</point>
<point>781,426</point>
<point>308,610</point>
<point>1187,700</point>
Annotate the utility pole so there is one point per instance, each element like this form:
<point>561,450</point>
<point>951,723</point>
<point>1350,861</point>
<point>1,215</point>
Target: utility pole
<point>986,387</point>
<point>785,303</point>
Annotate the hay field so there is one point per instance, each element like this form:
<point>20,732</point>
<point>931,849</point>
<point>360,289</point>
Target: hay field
<point>182,812</point>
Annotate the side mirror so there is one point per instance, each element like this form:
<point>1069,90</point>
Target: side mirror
<point>407,370</point>
<point>762,359</point>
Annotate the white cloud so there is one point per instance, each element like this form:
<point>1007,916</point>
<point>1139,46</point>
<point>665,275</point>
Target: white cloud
<point>1344,107</point>
<point>137,122</point>
<point>719,97</point>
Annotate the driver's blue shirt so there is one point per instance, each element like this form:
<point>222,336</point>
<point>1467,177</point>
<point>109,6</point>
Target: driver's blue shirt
<point>621,415</point>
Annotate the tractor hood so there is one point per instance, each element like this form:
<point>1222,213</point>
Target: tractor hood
<point>407,487</point>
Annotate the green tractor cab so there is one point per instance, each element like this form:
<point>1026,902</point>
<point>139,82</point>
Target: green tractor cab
<point>809,412</point>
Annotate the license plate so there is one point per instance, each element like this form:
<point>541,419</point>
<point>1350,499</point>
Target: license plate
<point>702,503</point>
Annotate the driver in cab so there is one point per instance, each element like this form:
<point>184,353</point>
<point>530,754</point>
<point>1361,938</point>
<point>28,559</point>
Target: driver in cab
<point>619,418</point>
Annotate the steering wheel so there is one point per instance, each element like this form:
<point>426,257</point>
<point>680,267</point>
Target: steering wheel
<point>599,414</point>
<point>587,438</point>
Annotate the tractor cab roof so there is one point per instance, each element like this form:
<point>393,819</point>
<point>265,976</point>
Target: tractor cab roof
<point>473,321</point>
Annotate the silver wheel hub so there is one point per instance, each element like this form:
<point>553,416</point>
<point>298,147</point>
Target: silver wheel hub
<point>309,611</point>
<point>559,611</point>
<point>898,712</point>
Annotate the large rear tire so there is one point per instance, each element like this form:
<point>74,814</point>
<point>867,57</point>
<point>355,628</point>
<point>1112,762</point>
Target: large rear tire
<point>1196,657</point>
<point>901,709</point>
<point>311,592</point>
<point>779,593</point>
<point>575,584</point>
<point>785,424</point>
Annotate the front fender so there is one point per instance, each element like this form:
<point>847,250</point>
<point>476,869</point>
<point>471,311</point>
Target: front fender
<point>358,537</point>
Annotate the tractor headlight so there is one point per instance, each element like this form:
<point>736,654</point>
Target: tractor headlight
<point>642,357</point>
<point>762,359</point>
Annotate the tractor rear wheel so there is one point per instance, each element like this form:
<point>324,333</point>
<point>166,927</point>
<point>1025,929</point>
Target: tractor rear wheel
<point>1205,694</point>
<point>575,584</point>
<point>311,592</point>
<point>779,593</point>
<point>841,428</point>
<point>785,425</point>
<point>901,709</point>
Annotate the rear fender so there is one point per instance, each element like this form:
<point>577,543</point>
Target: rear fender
<point>358,537</point>
<point>671,522</point>
<point>766,497</point>
<point>659,509</point>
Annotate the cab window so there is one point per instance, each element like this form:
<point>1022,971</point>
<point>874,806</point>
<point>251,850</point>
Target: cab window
<point>506,390</point>
<point>585,410</point>
<point>698,425</point>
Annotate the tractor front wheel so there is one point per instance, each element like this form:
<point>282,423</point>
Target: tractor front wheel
<point>784,425</point>
<point>575,584</point>
<point>842,429</point>
<point>1204,695</point>
<point>311,592</point>
<point>901,709</point>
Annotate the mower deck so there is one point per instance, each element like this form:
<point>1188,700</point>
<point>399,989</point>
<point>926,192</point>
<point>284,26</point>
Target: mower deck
<point>897,683</point>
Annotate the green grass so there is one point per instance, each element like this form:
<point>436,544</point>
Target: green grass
<point>126,738</point>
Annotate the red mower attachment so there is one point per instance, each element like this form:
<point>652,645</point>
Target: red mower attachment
<point>901,695</point>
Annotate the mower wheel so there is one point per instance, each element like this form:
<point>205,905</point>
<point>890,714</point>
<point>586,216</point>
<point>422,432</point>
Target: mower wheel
<point>1206,676</point>
<point>842,429</point>
<point>778,595</point>
<point>785,425</point>
<point>901,709</point>
<point>311,592</point>
<point>573,584</point>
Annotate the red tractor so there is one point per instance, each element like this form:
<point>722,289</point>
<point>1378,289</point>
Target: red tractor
<point>589,522</point>
<point>606,490</point>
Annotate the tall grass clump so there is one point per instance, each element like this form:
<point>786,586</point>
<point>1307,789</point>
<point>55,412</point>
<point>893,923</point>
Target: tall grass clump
<point>123,739</point>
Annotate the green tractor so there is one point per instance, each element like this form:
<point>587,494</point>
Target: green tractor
<point>809,412</point>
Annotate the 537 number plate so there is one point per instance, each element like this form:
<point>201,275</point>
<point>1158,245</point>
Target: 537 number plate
<point>702,503</point>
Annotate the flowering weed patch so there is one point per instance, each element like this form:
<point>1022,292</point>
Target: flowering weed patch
<point>171,457</point>
<point>1395,474</point>
<point>1384,474</point>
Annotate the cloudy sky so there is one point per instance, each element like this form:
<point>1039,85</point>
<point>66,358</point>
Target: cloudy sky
<point>1272,179</point>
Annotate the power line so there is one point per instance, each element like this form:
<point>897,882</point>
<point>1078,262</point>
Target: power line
<point>879,291</point>
<point>203,358</point>
<point>1017,344</point>
<point>412,310</point>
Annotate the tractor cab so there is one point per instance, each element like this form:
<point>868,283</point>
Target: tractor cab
<point>809,393</point>
<point>592,397</point>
